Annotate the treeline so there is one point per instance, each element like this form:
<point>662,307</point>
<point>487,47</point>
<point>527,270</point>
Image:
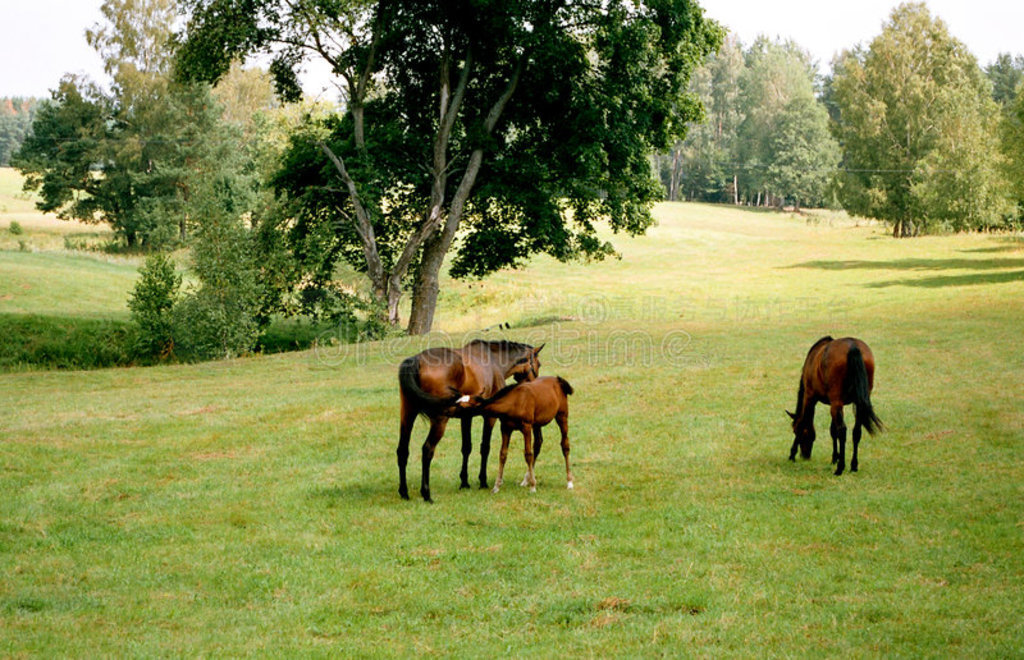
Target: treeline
<point>907,129</point>
<point>16,116</point>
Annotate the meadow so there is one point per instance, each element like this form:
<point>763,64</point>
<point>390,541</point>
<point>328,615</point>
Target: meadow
<point>250,507</point>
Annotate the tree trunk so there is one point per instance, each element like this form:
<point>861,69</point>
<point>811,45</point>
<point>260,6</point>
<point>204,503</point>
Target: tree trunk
<point>673,192</point>
<point>425,287</point>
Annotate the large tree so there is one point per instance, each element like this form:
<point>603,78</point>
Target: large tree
<point>917,125</point>
<point>520,123</point>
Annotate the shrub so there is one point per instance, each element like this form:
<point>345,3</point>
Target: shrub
<point>15,228</point>
<point>151,303</point>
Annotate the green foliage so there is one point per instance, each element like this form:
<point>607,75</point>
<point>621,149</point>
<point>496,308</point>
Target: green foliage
<point>704,163</point>
<point>1012,145</point>
<point>220,316</point>
<point>1006,75</point>
<point>15,228</point>
<point>805,156</point>
<point>151,302</point>
<point>917,125</point>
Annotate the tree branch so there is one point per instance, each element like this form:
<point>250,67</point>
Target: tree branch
<point>362,223</point>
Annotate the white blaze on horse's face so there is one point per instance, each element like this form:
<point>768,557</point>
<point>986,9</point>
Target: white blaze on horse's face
<point>464,399</point>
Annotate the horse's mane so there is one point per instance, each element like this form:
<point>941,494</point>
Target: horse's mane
<point>563,383</point>
<point>500,345</point>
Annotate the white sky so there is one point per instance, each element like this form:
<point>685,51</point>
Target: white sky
<point>44,39</point>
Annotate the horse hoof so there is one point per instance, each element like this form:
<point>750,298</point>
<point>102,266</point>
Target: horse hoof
<point>569,486</point>
<point>495,490</point>
<point>426,496</point>
<point>839,471</point>
<point>464,485</point>
<point>404,494</point>
<point>483,485</point>
<point>533,489</point>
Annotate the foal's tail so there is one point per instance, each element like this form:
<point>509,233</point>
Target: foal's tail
<point>409,382</point>
<point>859,393</point>
<point>564,384</point>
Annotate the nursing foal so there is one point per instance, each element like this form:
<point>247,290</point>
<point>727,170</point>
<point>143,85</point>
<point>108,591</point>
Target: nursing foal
<point>526,407</point>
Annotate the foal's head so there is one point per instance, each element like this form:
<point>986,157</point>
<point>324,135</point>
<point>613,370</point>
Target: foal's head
<point>803,434</point>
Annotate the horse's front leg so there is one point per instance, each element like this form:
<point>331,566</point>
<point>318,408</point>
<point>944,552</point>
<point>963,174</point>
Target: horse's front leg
<point>838,430</point>
<point>485,448</point>
<point>506,435</point>
<point>467,449</point>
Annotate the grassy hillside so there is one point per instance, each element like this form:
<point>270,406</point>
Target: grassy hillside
<point>250,507</point>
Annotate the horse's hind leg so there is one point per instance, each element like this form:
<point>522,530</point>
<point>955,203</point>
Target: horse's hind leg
<point>437,426</point>
<point>467,449</point>
<point>538,440</point>
<point>408,418</point>
<point>856,443</point>
<point>485,448</point>
<point>838,430</point>
<point>563,425</point>
<point>530,479</point>
<point>506,435</point>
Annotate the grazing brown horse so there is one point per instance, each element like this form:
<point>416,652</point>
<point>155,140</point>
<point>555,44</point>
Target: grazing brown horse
<point>431,381</point>
<point>836,372</point>
<point>526,407</point>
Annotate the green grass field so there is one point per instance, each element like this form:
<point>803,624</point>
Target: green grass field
<point>250,507</point>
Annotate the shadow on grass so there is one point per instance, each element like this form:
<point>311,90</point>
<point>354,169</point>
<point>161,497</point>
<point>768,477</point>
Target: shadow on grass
<point>354,492</point>
<point>954,280</point>
<point>915,264</point>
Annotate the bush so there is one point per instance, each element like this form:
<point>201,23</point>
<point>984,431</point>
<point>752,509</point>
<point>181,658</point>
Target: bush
<point>44,342</point>
<point>213,324</point>
<point>15,228</point>
<point>151,304</point>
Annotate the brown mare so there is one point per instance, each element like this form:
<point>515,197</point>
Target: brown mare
<point>526,407</point>
<point>836,372</point>
<point>430,383</point>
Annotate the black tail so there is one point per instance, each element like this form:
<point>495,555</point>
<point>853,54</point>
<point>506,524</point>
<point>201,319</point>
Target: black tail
<point>858,393</point>
<point>566,387</point>
<point>409,382</point>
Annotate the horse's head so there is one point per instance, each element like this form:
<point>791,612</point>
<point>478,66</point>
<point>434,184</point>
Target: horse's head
<point>526,367</point>
<point>804,435</point>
